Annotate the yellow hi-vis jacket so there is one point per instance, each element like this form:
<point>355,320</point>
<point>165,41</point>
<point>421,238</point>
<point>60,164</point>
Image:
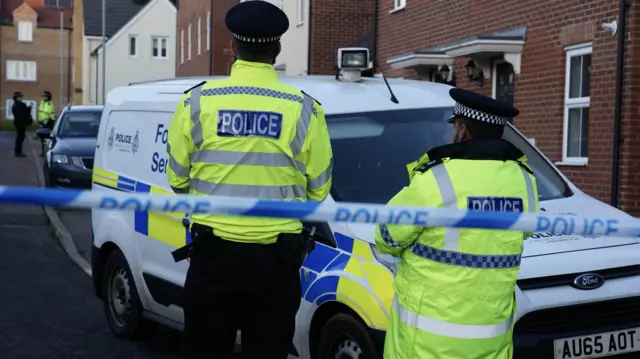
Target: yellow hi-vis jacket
<point>455,288</point>
<point>46,111</point>
<point>249,135</point>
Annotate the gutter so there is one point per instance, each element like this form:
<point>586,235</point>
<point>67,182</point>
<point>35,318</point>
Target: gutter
<point>617,122</point>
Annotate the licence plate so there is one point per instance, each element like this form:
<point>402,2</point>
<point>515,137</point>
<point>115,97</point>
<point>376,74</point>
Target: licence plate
<point>598,345</point>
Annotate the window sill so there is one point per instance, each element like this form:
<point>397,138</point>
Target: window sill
<point>396,9</point>
<point>25,41</point>
<point>15,80</point>
<point>570,163</point>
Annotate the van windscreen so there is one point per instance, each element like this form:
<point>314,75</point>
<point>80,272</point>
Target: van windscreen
<point>371,152</point>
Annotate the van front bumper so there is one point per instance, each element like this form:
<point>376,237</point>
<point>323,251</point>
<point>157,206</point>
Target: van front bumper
<point>535,332</point>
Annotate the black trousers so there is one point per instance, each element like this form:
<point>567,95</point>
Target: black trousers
<point>233,286</point>
<point>20,135</point>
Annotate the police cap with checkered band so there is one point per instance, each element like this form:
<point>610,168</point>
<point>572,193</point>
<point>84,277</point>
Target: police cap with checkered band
<point>257,22</point>
<point>476,107</point>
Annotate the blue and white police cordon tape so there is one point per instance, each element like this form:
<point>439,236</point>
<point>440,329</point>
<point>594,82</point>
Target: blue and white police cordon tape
<point>324,211</point>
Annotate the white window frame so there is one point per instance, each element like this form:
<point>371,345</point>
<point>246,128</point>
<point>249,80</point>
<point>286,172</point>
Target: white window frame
<point>135,46</point>
<point>8,114</point>
<point>209,30</point>
<point>182,46</point>
<point>398,5</point>
<point>25,31</point>
<point>573,103</point>
<point>199,36</point>
<point>301,12</point>
<point>189,43</point>
<point>12,76</point>
<point>159,41</point>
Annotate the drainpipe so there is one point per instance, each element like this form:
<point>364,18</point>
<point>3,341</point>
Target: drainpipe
<point>374,30</point>
<point>309,42</point>
<point>617,122</point>
<point>211,38</point>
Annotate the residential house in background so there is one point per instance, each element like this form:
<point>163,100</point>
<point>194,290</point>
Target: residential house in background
<point>555,60</point>
<point>316,30</point>
<point>140,44</point>
<point>203,41</point>
<point>34,55</point>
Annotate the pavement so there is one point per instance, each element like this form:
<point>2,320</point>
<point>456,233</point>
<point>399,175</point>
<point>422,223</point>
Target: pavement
<point>48,309</point>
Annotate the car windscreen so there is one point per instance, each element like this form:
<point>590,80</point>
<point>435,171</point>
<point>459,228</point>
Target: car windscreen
<point>371,152</point>
<point>80,124</point>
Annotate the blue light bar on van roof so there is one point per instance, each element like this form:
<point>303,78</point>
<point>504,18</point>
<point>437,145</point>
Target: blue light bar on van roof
<point>324,211</point>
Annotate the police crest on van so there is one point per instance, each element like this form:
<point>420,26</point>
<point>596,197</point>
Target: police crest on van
<point>124,142</point>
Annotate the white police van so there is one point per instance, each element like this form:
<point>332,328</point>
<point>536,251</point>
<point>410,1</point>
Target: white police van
<point>577,297</point>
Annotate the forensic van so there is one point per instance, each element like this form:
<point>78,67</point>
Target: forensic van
<point>578,297</point>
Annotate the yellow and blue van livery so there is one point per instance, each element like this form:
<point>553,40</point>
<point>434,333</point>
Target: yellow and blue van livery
<point>347,274</point>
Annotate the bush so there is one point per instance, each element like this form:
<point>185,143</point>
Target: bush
<point>7,125</point>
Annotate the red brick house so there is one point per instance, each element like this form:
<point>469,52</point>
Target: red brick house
<point>30,51</point>
<point>555,60</point>
<point>204,41</point>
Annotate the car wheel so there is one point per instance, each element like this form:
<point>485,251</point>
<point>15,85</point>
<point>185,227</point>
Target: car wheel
<point>346,337</point>
<point>122,305</point>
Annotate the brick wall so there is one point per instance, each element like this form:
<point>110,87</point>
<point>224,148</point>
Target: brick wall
<point>45,51</point>
<point>218,60</point>
<point>539,89</point>
<point>335,24</point>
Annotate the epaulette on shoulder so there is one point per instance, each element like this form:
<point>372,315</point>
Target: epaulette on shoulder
<point>311,97</point>
<point>192,87</point>
<point>427,166</point>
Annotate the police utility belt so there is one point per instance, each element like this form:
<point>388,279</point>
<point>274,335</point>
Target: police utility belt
<point>307,236</point>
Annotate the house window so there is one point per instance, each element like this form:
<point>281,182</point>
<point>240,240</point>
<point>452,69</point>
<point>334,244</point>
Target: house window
<point>300,12</point>
<point>199,37</point>
<point>399,4</point>
<point>159,47</point>
<point>281,4</point>
<point>576,104</point>
<point>209,30</point>
<point>133,46</point>
<point>25,31</point>
<point>9,103</point>
<point>21,70</point>
<point>182,46</point>
<point>189,43</point>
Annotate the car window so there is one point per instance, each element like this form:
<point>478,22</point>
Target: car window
<point>371,152</point>
<point>79,124</point>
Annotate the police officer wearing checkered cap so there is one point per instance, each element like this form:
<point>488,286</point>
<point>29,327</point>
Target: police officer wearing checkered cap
<point>464,279</point>
<point>248,135</point>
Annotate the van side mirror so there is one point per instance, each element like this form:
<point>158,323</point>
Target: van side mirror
<point>43,133</point>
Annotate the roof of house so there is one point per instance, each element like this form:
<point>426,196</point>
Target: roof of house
<point>119,13</point>
<point>48,16</point>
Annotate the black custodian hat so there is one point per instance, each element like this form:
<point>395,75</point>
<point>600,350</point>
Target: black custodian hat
<point>257,21</point>
<point>476,107</point>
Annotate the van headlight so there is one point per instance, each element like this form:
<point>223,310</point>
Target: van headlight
<point>386,260</point>
<point>60,159</point>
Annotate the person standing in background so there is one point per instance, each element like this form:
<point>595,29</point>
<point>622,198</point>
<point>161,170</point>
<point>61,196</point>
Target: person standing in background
<point>46,111</point>
<point>21,120</point>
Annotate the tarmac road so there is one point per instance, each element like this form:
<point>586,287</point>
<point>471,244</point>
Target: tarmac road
<point>47,307</point>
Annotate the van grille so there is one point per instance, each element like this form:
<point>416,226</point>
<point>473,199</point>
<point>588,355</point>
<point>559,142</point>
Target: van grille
<point>88,163</point>
<point>580,317</point>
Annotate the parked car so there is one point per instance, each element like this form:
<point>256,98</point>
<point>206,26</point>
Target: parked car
<point>71,146</point>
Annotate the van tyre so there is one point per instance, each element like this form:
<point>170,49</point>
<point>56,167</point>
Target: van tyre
<point>346,337</point>
<point>120,300</point>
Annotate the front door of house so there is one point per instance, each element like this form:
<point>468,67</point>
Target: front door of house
<point>505,79</point>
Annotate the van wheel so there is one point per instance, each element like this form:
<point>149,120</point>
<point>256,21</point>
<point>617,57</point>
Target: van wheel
<point>120,299</point>
<point>345,337</point>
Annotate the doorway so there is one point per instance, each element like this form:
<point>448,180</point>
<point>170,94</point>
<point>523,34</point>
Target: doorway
<point>504,82</point>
